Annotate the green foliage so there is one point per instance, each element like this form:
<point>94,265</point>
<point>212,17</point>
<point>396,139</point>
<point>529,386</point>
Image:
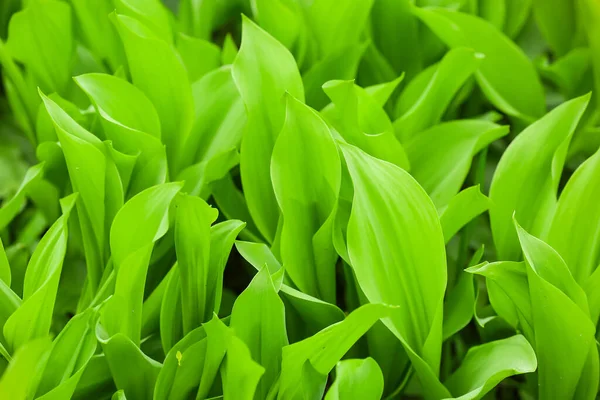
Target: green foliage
<point>294,200</point>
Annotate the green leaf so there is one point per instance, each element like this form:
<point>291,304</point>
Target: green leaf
<point>391,211</point>
<point>305,315</point>
<point>575,229</point>
<point>44,125</point>
<point>193,362</point>
<point>263,71</point>
<point>258,255</point>
<point>20,94</point>
<point>570,73</point>
<point>132,371</point>
<point>20,378</point>
<point>95,177</point>
<point>97,32</point>
<point>110,96</point>
<point>218,339</point>
<point>506,76</point>
<point>382,92</point>
<point>231,202</point>
<point>259,312</point>
<point>14,168</point>
<point>280,18</point>
<point>33,318</point>
<point>326,348</point>
<point>441,156</point>
<point>357,379</point>
<point>391,22</point>
<point>494,12</point>
<point>142,220</point>
<point>551,267</point>
<point>591,287</point>
<point>391,357</point>
<point>9,303</point>
<point>428,104</point>
<point>196,17</point>
<point>526,186</point>
<point>550,307</point>
<point>192,243</point>
<point>508,291</point>
<point>69,356</point>
<point>220,117</point>
<point>374,68</point>
<point>166,83</point>
<point>40,37</point>
<point>199,56</point>
<point>461,209</point>
<point>176,364</point>
<point>589,13</point>
<point>119,395</point>
<point>45,196</point>
<point>360,119</point>
<point>336,26</point>
<point>10,208</point>
<point>5,274</point>
<point>222,236</point>
<point>340,65</point>
<point>239,372</point>
<point>171,326</point>
<point>229,51</point>
<point>130,121</point>
<point>312,382</point>
<point>560,315</point>
<point>152,306</point>
<point>460,300</point>
<point>551,14</point>
<point>184,381</point>
<point>55,167</point>
<point>194,295</point>
<point>96,378</point>
<point>151,12</point>
<point>124,164</point>
<point>199,177</point>
<point>517,13</point>
<point>488,364</point>
<point>306,175</point>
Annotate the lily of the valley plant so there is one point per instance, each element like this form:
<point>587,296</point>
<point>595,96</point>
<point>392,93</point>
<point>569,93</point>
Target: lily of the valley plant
<point>298,200</point>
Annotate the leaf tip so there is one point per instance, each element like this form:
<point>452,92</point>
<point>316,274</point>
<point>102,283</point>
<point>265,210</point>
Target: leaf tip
<point>476,269</point>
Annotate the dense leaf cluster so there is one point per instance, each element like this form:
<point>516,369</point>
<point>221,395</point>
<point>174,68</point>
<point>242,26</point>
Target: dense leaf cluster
<point>292,199</point>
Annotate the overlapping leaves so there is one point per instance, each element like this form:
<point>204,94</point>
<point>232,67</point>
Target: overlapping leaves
<point>351,147</point>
